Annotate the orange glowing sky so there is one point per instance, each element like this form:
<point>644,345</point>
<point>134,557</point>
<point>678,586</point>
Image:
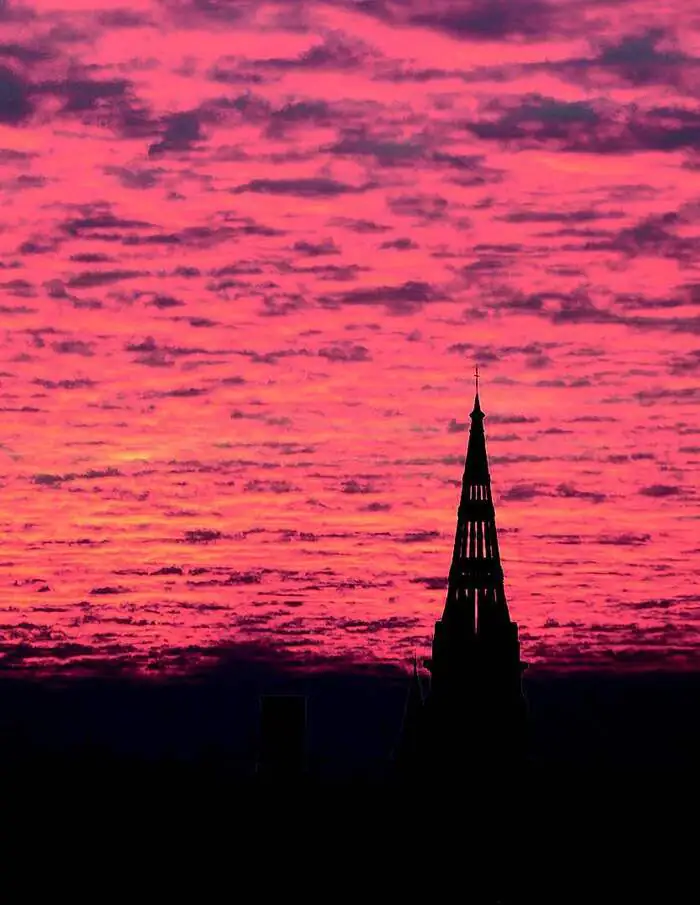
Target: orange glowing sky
<point>249,255</point>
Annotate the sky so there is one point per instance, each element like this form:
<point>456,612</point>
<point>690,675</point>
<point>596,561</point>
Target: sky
<point>250,254</point>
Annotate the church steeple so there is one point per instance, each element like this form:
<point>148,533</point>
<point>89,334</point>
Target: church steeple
<point>476,669</point>
<point>476,595</point>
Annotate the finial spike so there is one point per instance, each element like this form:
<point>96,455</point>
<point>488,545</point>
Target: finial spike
<point>476,378</point>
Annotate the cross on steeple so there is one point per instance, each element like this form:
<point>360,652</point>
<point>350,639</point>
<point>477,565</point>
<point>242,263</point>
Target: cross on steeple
<point>476,379</point>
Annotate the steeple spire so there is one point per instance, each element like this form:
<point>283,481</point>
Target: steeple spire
<point>476,670</point>
<point>475,593</point>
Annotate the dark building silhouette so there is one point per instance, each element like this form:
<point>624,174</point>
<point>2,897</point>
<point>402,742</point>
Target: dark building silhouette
<point>282,739</point>
<point>473,719</point>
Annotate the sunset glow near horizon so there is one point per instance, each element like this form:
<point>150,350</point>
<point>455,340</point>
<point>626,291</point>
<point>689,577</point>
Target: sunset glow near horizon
<point>250,255</point>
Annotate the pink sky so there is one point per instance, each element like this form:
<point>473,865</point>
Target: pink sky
<point>249,255</point>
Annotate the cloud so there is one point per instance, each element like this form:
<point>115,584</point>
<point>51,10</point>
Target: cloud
<point>568,491</point>
<point>91,278</point>
<point>520,493</point>
<point>81,95</point>
<point>353,486</point>
<point>300,114</point>
<point>182,132</point>
<point>376,506</point>
<point>231,71</point>
<point>182,393</point>
<point>433,583</point>
<point>24,53</point>
<point>386,152</point>
<point>21,289</point>
<point>626,539</point>
<point>665,603</point>
<point>312,187</point>
<point>261,486</point>
<point>315,249</point>
<point>91,257</point>
<point>326,272</point>
<point>122,18</point>
<point>15,103</point>
<point>135,178</point>
<point>655,235</point>
<point>346,352</point>
<point>24,182</point>
<point>501,418</point>
<point>400,244</point>
<point>244,578</point>
<point>106,103</point>
<point>585,126</point>
<point>660,490</point>
<point>234,578</point>
<point>56,480</point>
<point>686,364</point>
<point>407,298</point>
<point>195,13</point>
<point>417,537</point>
<point>489,20</point>
<point>564,539</point>
<point>24,409</point>
<point>336,51</point>
<point>165,301</point>
<point>73,347</point>
<point>76,383</point>
<point>12,156</point>
<point>18,654</point>
<point>201,536</point>
<point>361,226</point>
<point>370,626</point>
<point>645,58</point>
<point>100,219</point>
<point>574,216</point>
<point>534,118</point>
<point>48,480</point>
<point>422,207</point>
<point>667,395</point>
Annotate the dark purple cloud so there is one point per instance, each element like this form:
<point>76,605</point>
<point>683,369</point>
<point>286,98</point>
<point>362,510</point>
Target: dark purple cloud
<point>660,490</point>
<point>405,299</point>
<point>488,20</point>
<point>314,187</point>
<point>15,101</point>
<point>181,132</point>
